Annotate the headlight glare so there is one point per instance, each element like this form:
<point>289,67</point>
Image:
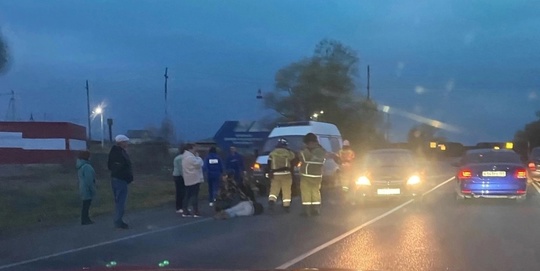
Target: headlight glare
<point>413,180</point>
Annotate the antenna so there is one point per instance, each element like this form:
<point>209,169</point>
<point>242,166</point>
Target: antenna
<point>368,92</point>
<point>166,79</point>
<point>11,114</point>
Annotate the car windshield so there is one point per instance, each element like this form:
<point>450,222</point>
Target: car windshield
<point>389,159</point>
<point>535,154</point>
<point>491,157</point>
<point>134,134</point>
<point>295,143</point>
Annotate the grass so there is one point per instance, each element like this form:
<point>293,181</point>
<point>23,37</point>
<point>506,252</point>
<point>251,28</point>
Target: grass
<point>49,196</point>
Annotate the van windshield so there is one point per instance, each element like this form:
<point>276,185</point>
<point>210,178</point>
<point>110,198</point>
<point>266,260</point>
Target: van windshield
<point>295,143</point>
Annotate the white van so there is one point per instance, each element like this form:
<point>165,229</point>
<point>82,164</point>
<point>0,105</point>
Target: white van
<point>294,132</point>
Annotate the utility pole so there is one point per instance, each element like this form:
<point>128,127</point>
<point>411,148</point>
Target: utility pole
<point>11,114</point>
<point>88,109</point>
<point>166,79</point>
<point>368,92</point>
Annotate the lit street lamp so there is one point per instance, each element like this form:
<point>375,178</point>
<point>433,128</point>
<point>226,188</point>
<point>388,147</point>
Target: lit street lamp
<point>99,111</point>
<point>316,115</point>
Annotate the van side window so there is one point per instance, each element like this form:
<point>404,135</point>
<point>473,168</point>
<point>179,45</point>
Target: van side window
<point>335,143</point>
<point>325,143</point>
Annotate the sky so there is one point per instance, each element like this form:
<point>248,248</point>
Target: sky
<point>472,64</point>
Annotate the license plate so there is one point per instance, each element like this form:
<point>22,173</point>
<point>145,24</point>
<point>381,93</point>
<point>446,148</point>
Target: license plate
<point>493,173</point>
<point>389,191</point>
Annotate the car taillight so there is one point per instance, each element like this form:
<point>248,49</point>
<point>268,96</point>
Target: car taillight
<point>532,166</point>
<point>465,174</point>
<point>520,173</point>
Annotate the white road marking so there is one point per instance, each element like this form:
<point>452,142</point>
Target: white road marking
<point>536,186</point>
<point>99,244</point>
<point>439,185</point>
<point>343,236</point>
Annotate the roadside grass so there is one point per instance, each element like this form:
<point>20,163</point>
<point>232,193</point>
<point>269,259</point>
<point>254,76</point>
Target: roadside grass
<point>46,197</point>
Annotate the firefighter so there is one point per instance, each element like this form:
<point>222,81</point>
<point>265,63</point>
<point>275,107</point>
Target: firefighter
<point>312,158</point>
<point>346,156</point>
<point>280,161</point>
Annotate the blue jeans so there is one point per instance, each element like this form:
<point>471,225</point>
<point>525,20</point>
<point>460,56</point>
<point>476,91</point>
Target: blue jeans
<point>213,186</point>
<point>120,190</point>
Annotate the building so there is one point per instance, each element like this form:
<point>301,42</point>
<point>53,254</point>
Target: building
<point>40,142</point>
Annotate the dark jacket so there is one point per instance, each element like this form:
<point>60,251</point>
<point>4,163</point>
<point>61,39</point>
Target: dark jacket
<point>213,165</point>
<point>235,162</point>
<point>119,164</point>
<point>229,195</point>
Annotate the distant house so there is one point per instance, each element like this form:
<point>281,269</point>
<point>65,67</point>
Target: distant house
<point>40,142</point>
<point>141,136</point>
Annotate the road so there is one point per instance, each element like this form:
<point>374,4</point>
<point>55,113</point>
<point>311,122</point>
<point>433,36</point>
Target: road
<point>435,233</point>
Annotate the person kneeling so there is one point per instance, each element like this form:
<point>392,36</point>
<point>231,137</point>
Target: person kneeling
<point>232,202</point>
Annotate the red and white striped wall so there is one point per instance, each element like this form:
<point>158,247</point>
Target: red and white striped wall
<point>40,142</point>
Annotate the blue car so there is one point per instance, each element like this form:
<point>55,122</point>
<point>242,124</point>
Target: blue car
<point>491,173</point>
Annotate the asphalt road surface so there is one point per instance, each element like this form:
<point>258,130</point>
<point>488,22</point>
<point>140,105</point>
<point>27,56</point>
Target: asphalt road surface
<point>435,233</point>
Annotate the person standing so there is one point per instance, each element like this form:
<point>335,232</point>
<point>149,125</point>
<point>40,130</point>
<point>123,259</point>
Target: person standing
<point>346,157</point>
<point>312,158</point>
<point>192,167</point>
<point>119,164</point>
<point>235,162</point>
<point>87,185</point>
<point>213,168</point>
<point>179,181</point>
<point>280,162</point>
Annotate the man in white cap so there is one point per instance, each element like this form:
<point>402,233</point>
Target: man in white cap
<point>122,174</point>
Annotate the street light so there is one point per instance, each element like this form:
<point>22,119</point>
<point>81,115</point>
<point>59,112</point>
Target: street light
<point>99,111</point>
<point>316,115</point>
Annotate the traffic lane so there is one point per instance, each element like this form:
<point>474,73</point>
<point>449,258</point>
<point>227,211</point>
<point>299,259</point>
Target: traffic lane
<point>265,240</point>
<point>442,234</point>
<point>251,242</point>
<point>248,242</point>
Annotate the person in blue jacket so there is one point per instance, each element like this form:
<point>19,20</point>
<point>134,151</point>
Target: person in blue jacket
<point>213,167</point>
<point>235,162</point>
<point>87,185</point>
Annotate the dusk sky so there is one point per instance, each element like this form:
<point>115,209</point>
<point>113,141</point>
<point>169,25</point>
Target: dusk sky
<point>472,64</point>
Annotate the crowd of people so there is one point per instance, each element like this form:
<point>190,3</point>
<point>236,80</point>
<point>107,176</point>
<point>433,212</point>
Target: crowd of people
<point>228,193</point>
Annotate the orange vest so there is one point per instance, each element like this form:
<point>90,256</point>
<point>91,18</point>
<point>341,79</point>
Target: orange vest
<point>346,156</point>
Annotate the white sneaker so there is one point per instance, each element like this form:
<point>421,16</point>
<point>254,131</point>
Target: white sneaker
<point>180,211</point>
<point>211,204</point>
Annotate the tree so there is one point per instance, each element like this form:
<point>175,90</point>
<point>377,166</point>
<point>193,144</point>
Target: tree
<point>326,82</point>
<point>3,55</point>
<point>420,135</point>
<point>528,137</point>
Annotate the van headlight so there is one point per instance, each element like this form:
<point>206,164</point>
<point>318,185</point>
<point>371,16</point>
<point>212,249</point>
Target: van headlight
<point>413,180</point>
<point>363,181</point>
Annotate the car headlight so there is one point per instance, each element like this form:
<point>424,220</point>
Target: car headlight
<point>413,180</point>
<point>363,181</point>
<point>256,167</point>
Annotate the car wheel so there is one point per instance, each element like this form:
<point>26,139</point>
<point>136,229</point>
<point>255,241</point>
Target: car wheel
<point>460,198</point>
<point>361,201</point>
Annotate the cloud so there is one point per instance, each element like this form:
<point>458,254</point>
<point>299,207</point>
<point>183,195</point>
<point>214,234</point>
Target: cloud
<point>399,68</point>
<point>420,90</point>
<point>532,95</point>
